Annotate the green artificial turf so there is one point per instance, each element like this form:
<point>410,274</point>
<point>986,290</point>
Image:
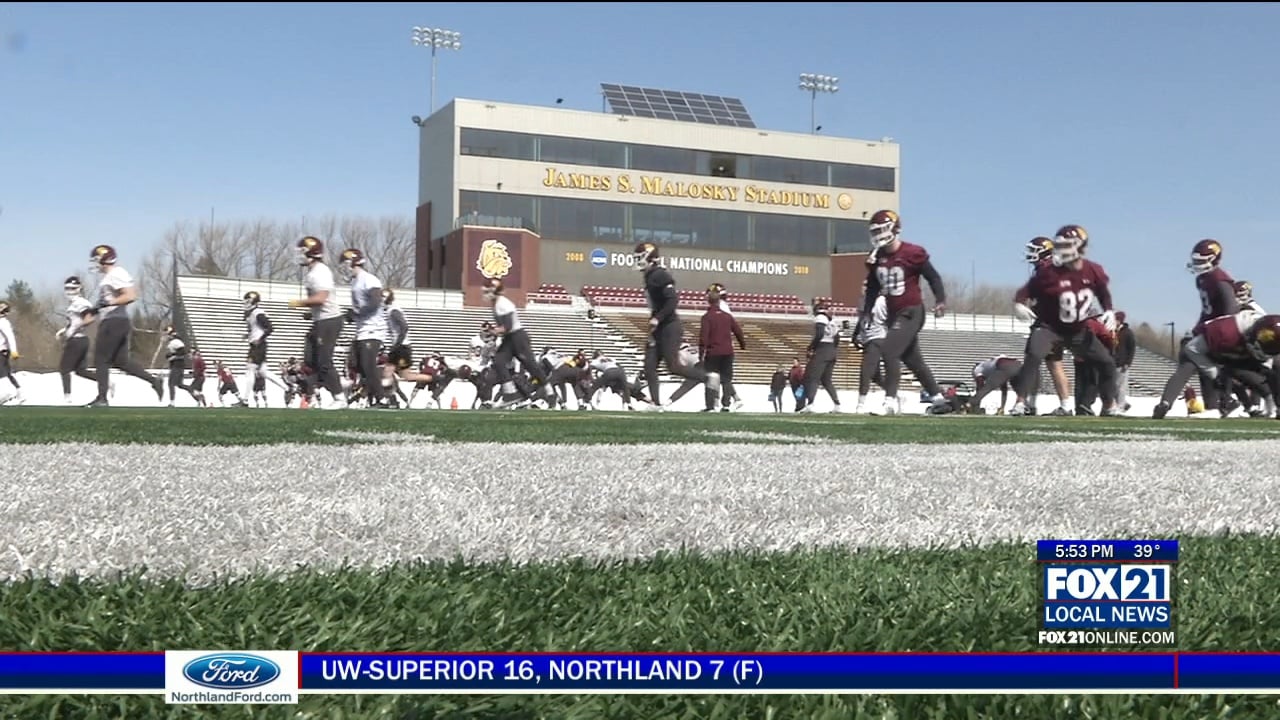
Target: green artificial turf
<point>973,599</point>
<point>190,426</point>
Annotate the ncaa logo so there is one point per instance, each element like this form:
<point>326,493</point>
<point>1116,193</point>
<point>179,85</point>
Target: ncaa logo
<point>599,258</point>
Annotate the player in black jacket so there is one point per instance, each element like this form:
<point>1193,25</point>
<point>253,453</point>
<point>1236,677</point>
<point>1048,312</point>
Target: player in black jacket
<point>666,332</point>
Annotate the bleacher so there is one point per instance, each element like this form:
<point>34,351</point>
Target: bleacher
<point>633,297</point>
<point>215,322</point>
<point>550,294</point>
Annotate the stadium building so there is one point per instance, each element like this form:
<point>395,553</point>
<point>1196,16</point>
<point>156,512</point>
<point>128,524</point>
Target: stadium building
<point>556,199</point>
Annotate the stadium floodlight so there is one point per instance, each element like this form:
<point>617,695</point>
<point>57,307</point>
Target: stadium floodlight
<point>436,38</point>
<point>814,84</point>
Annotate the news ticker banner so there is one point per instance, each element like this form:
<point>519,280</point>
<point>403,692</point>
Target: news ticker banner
<point>245,677</point>
<point>1107,592</point>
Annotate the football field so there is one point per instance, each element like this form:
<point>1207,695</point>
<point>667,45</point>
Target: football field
<point>133,529</point>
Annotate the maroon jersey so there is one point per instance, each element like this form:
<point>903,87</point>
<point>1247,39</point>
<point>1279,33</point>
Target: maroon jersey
<point>1064,299</point>
<point>1217,296</point>
<point>898,277</point>
<point>1225,336</point>
<point>197,365</point>
<point>1100,331</point>
<point>432,364</point>
<point>224,375</point>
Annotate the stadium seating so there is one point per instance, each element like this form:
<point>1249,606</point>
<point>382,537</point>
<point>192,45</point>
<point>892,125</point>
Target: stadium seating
<point>633,297</point>
<point>550,294</point>
<point>216,326</point>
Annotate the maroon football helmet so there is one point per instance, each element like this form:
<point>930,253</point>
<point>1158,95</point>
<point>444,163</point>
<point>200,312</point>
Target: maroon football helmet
<point>1205,256</point>
<point>1069,244</point>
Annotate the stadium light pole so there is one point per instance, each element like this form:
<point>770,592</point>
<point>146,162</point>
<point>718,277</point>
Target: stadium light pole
<point>814,84</point>
<point>436,38</point>
<point>1173,331</point>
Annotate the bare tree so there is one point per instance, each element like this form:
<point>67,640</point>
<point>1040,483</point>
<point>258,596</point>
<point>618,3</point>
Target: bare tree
<point>398,257</point>
<point>359,232</point>
<point>992,299</point>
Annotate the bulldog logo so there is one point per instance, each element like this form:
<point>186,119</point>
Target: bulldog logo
<point>494,261</point>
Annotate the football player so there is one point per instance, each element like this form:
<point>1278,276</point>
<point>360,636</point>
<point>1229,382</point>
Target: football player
<point>895,269</point>
<point>1066,293</point>
<point>227,384</point>
<point>8,352</point>
<point>400,349</point>
<point>609,376</point>
<point>732,392</point>
<point>1244,295</point>
<point>258,328</point>
<point>483,345</point>
<point>1039,251</point>
<point>562,371</point>
<point>1245,339</point>
<point>176,356</point>
<point>513,344</point>
<point>1216,289</point>
<point>822,356</point>
<point>1087,374</point>
<point>197,376</point>
<point>370,321</point>
<point>991,374</point>
<point>666,332</point>
<point>867,338</point>
<point>75,343</point>
<point>689,357</point>
<point>716,334</point>
<point>116,292</point>
<point>326,319</point>
<point>1217,293</point>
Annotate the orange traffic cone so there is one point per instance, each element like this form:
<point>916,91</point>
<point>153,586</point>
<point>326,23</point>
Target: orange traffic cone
<point>304,404</point>
<point>454,405</point>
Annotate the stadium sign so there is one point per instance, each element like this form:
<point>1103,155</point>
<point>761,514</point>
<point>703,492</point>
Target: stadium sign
<point>658,185</point>
<point>709,264</point>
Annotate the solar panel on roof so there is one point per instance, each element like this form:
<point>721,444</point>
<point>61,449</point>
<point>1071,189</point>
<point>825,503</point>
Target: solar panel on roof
<point>676,105</point>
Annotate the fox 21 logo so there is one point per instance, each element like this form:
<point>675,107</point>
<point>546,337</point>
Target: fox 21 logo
<point>1115,583</point>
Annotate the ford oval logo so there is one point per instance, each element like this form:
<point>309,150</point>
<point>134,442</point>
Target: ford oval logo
<point>231,671</point>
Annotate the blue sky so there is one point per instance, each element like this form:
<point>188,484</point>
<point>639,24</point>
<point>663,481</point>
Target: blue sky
<point>1152,126</point>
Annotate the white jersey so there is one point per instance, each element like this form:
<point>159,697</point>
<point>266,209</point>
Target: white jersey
<point>366,294</point>
<point>8,341</point>
<point>482,349</point>
<point>75,313</point>
<point>253,329</point>
<point>1253,306</point>
<point>176,350</point>
<point>394,318</point>
<point>553,359</point>
<point>320,279</point>
<point>877,326</point>
<point>988,367</point>
<point>112,282</point>
<point>830,328</point>
<point>603,364</point>
<point>688,355</point>
<point>502,308</point>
